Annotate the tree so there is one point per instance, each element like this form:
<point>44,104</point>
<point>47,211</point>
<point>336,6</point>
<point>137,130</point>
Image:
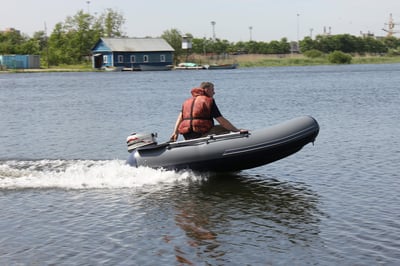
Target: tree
<point>372,45</point>
<point>284,46</point>
<point>347,43</point>
<point>174,38</point>
<point>252,47</point>
<point>31,46</point>
<point>11,41</point>
<point>57,46</point>
<point>110,23</point>
<point>71,41</point>
<point>81,37</point>
<point>220,46</point>
<point>391,42</point>
<point>41,38</point>
<point>308,44</point>
<point>201,46</point>
<point>240,48</point>
<point>260,47</point>
<point>274,47</point>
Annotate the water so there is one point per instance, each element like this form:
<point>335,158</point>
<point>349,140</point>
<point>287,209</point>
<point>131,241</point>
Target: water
<point>67,198</point>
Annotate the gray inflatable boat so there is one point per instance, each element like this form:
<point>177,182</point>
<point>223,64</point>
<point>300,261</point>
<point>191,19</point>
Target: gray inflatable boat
<point>227,152</point>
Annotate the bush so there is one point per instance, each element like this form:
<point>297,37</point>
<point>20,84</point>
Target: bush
<point>313,53</point>
<point>338,57</point>
<point>393,52</point>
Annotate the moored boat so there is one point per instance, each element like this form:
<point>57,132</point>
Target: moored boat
<point>222,66</point>
<point>227,152</point>
<point>155,67</point>
<point>189,66</point>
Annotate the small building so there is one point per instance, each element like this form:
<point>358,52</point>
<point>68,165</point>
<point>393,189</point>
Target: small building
<point>132,53</point>
<point>20,61</point>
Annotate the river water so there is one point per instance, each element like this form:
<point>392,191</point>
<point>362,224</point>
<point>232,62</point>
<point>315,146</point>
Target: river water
<point>67,197</point>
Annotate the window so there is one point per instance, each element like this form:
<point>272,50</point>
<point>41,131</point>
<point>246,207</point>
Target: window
<point>105,59</point>
<point>146,58</point>
<point>162,58</point>
<point>120,59</point>
<point>133,59</point>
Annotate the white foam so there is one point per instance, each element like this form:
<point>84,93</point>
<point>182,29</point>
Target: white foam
<point>82,174</point>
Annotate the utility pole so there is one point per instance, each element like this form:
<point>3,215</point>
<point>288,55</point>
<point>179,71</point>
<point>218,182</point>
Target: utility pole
<point>250,29</point>
<point>298,27</point>
<point>47,44</point>
<point>88,5</point>
<point>298,32</point>
<point>213,28</point>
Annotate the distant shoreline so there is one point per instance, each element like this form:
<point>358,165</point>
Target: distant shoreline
<point>244,61</point>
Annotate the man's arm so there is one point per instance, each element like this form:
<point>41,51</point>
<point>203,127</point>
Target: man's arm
<point>226,124</point>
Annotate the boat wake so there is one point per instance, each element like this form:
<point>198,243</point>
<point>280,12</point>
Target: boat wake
<point>82,174</point>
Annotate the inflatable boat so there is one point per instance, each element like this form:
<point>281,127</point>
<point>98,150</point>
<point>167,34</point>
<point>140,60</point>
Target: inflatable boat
<point>224,153</point>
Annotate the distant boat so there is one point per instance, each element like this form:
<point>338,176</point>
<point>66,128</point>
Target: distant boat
<point>189,66</point>
<point>222,66</point>
<point>155,67</point>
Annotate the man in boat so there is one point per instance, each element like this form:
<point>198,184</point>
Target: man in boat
<point>197,116</point>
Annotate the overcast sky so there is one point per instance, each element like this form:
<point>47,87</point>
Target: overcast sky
<point>269,20</point>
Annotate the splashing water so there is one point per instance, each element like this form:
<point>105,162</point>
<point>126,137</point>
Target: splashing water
<point>82,174</point>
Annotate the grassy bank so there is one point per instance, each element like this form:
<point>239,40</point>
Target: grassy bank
<point>253,60</point>
<point>60,68</point>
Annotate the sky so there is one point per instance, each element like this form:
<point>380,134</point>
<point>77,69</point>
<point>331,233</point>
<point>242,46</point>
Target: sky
<point>235,20</point>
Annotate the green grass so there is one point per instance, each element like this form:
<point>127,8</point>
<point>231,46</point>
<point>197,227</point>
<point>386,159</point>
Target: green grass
<point>376,60</point>
<point>284,62</point>
<point>305,61</point>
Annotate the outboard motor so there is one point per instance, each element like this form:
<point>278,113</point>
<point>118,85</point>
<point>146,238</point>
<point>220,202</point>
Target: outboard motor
<point>136,140</point>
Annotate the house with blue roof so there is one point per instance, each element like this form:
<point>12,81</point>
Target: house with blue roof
<point>133,54</point>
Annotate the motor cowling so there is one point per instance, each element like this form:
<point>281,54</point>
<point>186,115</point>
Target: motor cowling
<point>136,140</point>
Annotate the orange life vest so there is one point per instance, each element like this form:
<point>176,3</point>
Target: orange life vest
<point>196,113</point>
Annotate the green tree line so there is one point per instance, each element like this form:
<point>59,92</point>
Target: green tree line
<point>71,41</point>
<point>347,43</point>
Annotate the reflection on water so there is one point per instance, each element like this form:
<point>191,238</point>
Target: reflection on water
<point>214,209</point>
